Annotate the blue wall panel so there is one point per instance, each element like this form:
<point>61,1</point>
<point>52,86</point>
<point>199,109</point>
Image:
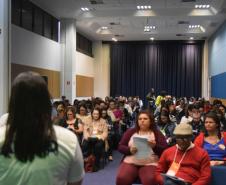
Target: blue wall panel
<point>218,86</point>
<point>217,51</point>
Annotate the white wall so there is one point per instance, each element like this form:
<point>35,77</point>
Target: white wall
<point>102,69</point>
<point>97,67</point>
<point>35,50</point>
<point>4,55</point>
<point>84,65</point>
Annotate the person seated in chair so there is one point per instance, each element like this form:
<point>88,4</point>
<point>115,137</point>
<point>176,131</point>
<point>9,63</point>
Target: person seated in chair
<point>135,164</point>
<point>213,140</point>
<point>74,124</point>
<point>95,134</point>
<point>111,133</point>
<point>183,163</point>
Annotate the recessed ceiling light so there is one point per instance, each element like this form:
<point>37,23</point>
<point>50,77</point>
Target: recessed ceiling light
<point>114,39</point>
<point>143,7</point>
<point>149,28</point>
<point>202,6</point>
<point>191,38</point>
<point>104,27</point>
<point>85,9</point>
<point>152,38</point>
<point>194,26</point>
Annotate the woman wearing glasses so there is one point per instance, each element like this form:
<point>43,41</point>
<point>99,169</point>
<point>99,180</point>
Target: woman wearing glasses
<point>213,140</point>
<point>73,123</point>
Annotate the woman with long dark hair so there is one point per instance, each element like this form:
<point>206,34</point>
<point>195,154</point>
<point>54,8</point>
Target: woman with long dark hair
<point>213,140</point>
<point>33,151</point>
<point>133,165</point>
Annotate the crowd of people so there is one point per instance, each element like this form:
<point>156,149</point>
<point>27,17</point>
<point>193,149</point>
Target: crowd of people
<point>171,141</point>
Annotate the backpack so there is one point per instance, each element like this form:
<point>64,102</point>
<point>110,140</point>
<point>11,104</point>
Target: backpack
<point>89,163</point>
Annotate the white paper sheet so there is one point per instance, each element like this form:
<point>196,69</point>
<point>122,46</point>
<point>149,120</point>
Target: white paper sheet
<point>144,151</point>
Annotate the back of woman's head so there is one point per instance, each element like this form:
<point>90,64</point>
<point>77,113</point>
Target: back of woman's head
<point>29,131</point>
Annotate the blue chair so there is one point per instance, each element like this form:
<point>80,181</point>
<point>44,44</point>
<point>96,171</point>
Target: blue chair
<point>218,175</point>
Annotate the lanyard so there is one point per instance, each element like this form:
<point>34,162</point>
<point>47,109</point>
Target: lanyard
<point>181,158</point>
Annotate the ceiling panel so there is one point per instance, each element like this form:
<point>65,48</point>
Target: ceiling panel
<point>122,18</point>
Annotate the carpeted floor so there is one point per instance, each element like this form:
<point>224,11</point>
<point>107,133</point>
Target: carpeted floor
<point>104,176</point>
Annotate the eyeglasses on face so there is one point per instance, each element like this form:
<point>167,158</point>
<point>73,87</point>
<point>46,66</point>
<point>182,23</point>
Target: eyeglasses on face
<point>182,139</point>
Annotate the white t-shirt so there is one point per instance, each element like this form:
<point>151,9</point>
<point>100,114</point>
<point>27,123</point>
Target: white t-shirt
<point>3,119</point>
<point>55,169</point>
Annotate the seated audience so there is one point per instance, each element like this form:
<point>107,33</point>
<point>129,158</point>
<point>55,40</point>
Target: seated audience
<point>111,133</point>
<point>188,114</point>
<point>196,123</point>
<point>95,134</point>
<point>83,114</point>
<point>73,123</point>
<point>61,118</point>
<point>166,127</point>
<point>213,140</point>
<point>187,163</point>
<point>132,166</point>
<point>223,110</point>
<point>173,115</point>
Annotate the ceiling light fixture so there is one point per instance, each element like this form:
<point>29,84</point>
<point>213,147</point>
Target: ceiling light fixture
<point>114,39</point>
<point>149,28</point>
<point>191,38</point>
<point>144,7</point>
<point>194,26</point>
<point>152,38</point>
<point>104,27</point>
<point>202,6</point>
<point>85,9</point>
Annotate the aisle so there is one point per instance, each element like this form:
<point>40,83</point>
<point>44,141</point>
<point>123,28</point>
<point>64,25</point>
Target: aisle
<point>104,176</point>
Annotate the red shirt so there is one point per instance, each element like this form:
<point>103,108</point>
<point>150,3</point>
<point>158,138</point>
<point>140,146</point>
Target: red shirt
<point>194,168</point>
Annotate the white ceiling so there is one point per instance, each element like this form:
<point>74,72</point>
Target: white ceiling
<point>130,22</point>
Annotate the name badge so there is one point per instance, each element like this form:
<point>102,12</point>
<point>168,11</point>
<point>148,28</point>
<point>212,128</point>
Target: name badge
<point>173,169</point>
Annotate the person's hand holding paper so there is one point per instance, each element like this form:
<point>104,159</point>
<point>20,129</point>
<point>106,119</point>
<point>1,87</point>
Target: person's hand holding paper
<point>143,148</point>
<point>152,143</point>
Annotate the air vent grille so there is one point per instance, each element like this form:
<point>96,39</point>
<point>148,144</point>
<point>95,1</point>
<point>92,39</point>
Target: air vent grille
<point>180,35</point>
<point>96,2</point>
<point>114,23</point>
<point>183,22</point>
<point>118,35</point>
<point>188,1</point>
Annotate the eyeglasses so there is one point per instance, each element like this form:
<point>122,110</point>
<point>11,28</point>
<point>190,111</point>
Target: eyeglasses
<point>69,114</point>
<point>182,139</point>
